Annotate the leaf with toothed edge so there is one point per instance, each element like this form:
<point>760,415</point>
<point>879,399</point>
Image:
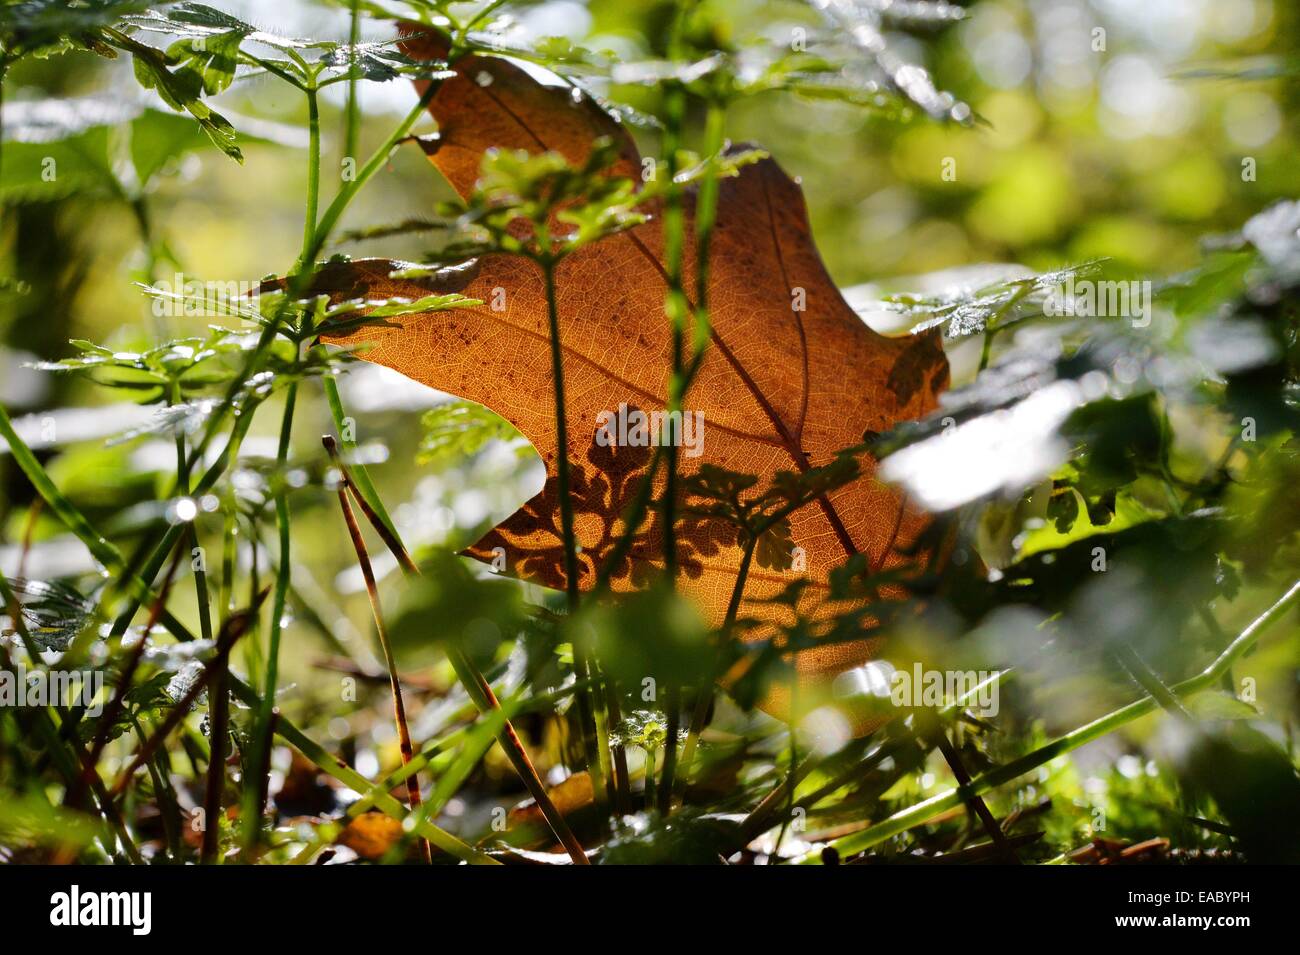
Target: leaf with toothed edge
<point>791,377</point>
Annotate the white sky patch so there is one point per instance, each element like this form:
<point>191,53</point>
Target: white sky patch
<point>998,452</point>
<point>370,387</point>
<point>1138,99</point>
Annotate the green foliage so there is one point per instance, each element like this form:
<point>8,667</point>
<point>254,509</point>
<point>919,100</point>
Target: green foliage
<point>43,28</point>
<point>1116,533</point>
<point>450,602</point>
<point>459,430</point>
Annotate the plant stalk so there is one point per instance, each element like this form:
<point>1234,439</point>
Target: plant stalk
<point>399,707</point>
<point>583,666</point>
<point>476,685</point>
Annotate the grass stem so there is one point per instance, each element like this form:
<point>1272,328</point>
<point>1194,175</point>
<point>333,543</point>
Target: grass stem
<point>476,685</point>
<point>399,706</point>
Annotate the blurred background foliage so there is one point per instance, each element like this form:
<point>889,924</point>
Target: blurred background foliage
<point>1129,144</point>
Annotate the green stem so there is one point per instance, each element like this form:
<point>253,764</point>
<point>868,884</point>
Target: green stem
<point>478,18</point>
<point>254,789</point>
<point>562,477</point>
<point>673,704</point>
<point>706,215</point>
<point>199,568</point>
<point>942,802</point>
<point>168,807</point>
<point>1150,681</point>
<point>229,541</point>
<point>779,800</point>
<point>676,307</point>
<point>283,528</point>
<point>586,711</point>
<point>218,733</point>
<point>649,779</point>
<point>201,587</point>
<point>376,161</point>
<point>313,169</point>
<point>742,575</point>
<point>254,798</point>
<point>300,280</point>
<point>704,697</point>
<point>351,113</point>
<point>986,347</point>
<point>158,555</point>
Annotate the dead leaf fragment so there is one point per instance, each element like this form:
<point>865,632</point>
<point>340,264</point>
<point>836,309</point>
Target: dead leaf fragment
<point>371,834</point>
<point>573,794</point>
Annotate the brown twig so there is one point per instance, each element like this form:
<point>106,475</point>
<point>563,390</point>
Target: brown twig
<point>480,691</point>
<point>399,707</point>
<point>976,804</point>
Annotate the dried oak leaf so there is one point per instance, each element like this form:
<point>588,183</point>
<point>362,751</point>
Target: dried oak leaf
<point>779,389</point>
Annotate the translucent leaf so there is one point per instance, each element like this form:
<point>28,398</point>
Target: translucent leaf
<point>199,21</point>
<point>53,612</point>
<point>42,26</point>
<point>969,312</point>
<point>862,22</point>
<point>461,429</point>
<point>186,418</point>
<point>378,62</point>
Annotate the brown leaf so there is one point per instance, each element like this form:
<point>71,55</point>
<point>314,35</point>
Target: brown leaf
<point>371,834</point>
<point>569,796</point>
<point>779,389</point>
